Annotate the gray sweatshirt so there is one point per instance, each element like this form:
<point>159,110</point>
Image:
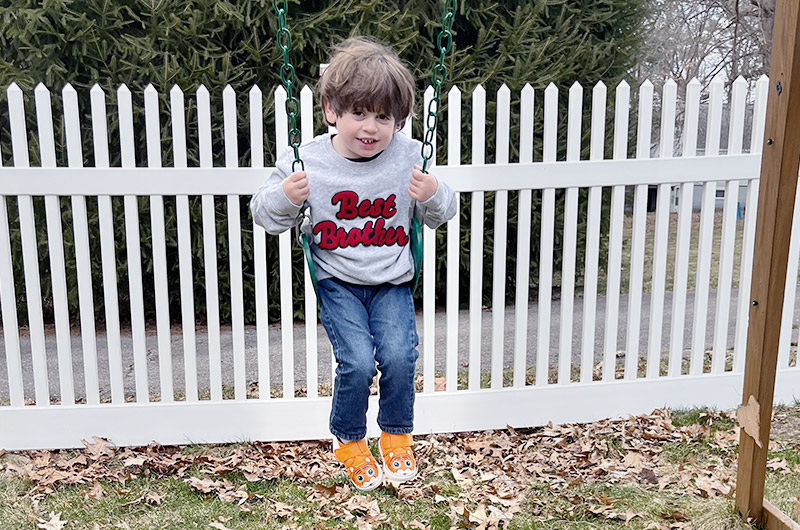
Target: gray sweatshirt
<point>360,224</point>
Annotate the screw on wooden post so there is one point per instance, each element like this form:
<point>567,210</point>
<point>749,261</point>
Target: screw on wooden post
<point>777,187</point>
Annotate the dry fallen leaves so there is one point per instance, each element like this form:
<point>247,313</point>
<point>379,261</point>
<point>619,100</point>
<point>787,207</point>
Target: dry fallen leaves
<point>492,470</point>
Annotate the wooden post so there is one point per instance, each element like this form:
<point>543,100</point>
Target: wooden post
<point>778,183</point>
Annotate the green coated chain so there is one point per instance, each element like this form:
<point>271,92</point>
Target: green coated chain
<point>284,40</point>
<point>445,42</point>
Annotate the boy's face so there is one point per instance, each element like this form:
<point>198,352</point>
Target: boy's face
<point>361,133</point>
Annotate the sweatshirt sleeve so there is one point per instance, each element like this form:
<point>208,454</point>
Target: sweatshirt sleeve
<point>270,206</point>
<point>440,207</point>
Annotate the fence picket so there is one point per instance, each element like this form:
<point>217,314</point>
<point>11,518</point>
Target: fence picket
<point>312,383</point>
<point>574,124</point>
<point>210,249</point>
<point>500,239</point>
<point>235,247</point>
<point>546,239</point>
<point>80,229</point>
<point>790,288</point>
<point>661,239</point>
<point>621,118</point>
<point>285,260</point>
<point>125,107</point>
<point>523,240</point>
<point>706,235</point>
<point>108,257</point>
<point>55,246</point>
<point>592,256</point>
<point>476,240</point>
<point>30,258</point>
<point>748,235</point>
<point>453,241</point>
<point>638,239</point>
<point>8,310</point>
<point>727,244</point>
<point>260,248</point>
<point>683,234</point>
<point>178,118</point>
<point>159,246</point>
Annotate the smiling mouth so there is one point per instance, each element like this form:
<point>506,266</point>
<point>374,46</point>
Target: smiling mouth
<point>367,141</point>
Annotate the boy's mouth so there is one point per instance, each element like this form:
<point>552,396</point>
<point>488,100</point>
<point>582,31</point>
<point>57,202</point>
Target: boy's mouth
<point>367,141</point>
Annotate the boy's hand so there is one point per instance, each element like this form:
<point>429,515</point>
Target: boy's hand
<point>296,187</point>
<point>423,185</point>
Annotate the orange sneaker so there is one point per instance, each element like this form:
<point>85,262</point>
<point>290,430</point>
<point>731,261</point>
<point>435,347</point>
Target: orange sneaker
<point>361,466</point>
<point>398,458</point>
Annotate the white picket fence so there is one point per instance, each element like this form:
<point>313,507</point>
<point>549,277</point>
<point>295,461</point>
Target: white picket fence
<point>28,419</point>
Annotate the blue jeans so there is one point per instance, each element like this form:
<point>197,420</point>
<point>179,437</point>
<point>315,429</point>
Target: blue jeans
<point>365,324</point>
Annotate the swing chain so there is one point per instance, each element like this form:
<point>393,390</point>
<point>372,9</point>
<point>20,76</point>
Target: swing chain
<point>284,40</point>
<point>445,42</point>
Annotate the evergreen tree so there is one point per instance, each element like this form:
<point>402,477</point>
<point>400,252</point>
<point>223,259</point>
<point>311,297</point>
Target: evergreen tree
<point>219,42</point>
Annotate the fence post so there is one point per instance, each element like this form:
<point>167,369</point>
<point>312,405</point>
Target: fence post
<point>779,166</point>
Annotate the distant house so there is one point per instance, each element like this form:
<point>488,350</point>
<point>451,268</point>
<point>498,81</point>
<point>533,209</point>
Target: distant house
<point>678,150</point>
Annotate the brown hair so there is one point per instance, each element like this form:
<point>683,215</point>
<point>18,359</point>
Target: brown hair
<point>365,74</point>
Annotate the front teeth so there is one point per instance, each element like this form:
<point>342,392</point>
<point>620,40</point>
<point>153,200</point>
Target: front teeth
<point>368,141</point>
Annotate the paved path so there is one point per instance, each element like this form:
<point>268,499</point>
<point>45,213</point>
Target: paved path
<point>325,350</point>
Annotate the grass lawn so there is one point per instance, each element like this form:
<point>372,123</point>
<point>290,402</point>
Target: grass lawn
<point>627,237</point>
<point>667,470</point>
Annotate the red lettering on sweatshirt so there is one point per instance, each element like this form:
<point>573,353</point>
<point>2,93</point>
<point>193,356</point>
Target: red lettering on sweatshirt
<point>350,207</point>
<point>371,234</point>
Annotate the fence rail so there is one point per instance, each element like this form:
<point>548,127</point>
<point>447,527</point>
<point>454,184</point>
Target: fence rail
<point>571,353</point>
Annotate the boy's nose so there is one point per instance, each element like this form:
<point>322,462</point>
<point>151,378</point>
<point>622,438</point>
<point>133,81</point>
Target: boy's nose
<point>370,125</point>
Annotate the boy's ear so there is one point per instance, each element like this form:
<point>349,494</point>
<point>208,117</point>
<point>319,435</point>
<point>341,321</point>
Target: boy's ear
<point>328,113</point>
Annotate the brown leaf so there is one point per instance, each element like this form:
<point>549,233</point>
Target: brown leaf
<point>633,459</point>
<point>326,491</point>
<point>629,515</point>
<point>205,485</point>
<point>364,504</point>
<point>100,448</point>
<point>55,522</point>
<point>97,492</point>
<point>779,465</point>
<point>283,510</point>
<point>749,418</point>
<point>154,498</point>
<point>138,461</point>
<point>676,515</point>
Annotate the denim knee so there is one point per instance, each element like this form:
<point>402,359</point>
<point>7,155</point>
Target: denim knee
<point>356,369</point>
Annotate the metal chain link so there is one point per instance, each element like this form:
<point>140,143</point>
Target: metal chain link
<point>445,42</point>
<point>284,40</point>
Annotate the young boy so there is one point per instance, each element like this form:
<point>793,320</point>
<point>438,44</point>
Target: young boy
<point>359,184</point>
